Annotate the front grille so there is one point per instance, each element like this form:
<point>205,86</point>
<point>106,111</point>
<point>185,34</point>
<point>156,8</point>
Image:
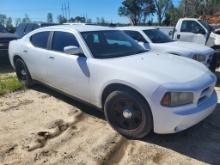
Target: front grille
<point>205,94</point>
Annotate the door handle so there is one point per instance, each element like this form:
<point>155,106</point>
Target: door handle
<point>178,36</point>
<point>51,57</point>
<point>25,51</point>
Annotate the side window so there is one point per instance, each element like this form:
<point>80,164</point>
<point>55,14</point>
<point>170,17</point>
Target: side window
<point>63,39</point>
<point>40,39</point>
<point>192,27</point>
<point>135,35</point>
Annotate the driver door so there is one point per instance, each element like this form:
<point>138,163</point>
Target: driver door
<point>191,31</point>
<point>66,72</point>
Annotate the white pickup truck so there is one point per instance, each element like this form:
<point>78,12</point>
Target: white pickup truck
<point>198,31</point>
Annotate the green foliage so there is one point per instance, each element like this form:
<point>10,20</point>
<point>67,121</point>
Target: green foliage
<point>9,84</point>
<point>61,19</point>
<point>3,19</point>
<point>161,8</point>
<point>50,18</point>
<point>26,19</point>
<point>136,10</point>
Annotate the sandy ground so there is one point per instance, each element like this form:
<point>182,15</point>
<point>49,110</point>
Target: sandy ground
<point>41,126</point>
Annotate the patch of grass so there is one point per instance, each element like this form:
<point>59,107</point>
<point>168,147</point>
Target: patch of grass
<point>10,84</point>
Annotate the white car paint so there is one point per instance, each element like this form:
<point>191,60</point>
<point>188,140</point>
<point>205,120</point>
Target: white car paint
<point>212,41</point>
<point>180,48</point>
<point>152,74</point>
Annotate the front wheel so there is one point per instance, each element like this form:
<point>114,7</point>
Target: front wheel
<point>129,114</point>
<point>23,73</point>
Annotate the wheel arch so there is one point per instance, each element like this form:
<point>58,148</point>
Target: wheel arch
<point>119,86</point>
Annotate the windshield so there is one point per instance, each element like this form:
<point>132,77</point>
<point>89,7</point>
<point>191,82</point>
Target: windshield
<point>111,43</point>
<point>156,36</point>
<point>2,29</point>
<point>206,25</point>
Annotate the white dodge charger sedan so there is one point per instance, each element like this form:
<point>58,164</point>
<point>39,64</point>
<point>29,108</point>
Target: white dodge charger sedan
<point>138,90</point>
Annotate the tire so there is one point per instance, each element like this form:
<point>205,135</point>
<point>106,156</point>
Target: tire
<point>129,114</point>
<point>23,73</point>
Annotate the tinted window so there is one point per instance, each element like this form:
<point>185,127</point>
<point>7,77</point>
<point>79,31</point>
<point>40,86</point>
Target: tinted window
<point>20,30</point>
<point>28,28</point>
<point>63,39</point>
<point>2,29</point>
<point>31,27</point>
<point>156,36</point>
<point>40,39</point>
<point>192,27</point>
<point>111,43</point>
<point>135,35</point>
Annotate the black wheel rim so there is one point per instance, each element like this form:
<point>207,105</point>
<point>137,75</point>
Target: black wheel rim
<point>22,72</point>
<point>126,114</point>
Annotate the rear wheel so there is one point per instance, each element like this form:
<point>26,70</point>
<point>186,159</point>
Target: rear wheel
<point>129,114</point>
<point>23,73</point>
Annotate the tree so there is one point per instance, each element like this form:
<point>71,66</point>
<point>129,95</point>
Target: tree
<point>17,21</point>
<point>3,19</point>
<point>50,18</point>
<point>61,19</point>
<point>136,10</point>
<point>80,19</point>
<point>26,19</point>
<point>9,25</point>
<point>161,8</point>
<point>172,16</point>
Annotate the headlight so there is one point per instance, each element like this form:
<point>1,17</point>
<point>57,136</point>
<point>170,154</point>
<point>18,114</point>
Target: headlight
<point>200,58</point>
<point>174,99</point>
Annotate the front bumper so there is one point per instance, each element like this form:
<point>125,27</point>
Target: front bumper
<point>179,121</point>
<point>176,119</point>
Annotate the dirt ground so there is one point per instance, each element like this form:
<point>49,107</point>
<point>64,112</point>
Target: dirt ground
<point>41,126</point>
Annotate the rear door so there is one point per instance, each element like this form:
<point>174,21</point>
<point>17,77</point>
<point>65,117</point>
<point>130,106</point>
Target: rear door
<point>68,73</point>
<point>35,53</point>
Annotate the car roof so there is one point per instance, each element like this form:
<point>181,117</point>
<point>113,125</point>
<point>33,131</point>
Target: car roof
<point>79,28</point>
<point>189,19</point>
<point>137,27</point>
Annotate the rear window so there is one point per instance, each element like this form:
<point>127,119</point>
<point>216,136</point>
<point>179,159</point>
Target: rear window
<point>20,30</point>
<point>40,39</point>
<point>2,29</point>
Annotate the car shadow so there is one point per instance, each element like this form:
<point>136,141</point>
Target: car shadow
<point>88,109</point>
<point>201,142</point>
<point>5,66</point>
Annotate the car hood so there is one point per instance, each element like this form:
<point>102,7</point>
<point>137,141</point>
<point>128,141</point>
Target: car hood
<point>183,48</point>
<point>160,67</point>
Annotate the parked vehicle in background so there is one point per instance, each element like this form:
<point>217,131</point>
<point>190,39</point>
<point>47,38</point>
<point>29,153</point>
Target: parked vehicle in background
<point>5,38</point>
<point>25,28</point>
<point>199,31</point>
<point>78,23</point>
<point>139,90</point>
<point>153,38</point>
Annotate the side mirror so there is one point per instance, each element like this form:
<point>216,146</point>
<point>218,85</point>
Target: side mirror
<point>73,50</point>
<point>144,45</point>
